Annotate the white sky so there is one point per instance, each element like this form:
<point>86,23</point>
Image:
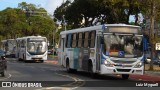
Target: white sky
<point>49,5</point>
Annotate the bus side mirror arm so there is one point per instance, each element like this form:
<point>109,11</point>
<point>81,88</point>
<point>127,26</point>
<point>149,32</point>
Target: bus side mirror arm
<point>145,44</point>
<point>102,40</point>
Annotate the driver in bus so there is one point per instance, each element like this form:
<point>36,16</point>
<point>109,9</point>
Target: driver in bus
<point>128,48</point>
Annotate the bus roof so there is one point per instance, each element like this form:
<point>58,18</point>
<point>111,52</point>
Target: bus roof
<point>98,27</point>
<point>7,40</point>
<point>3,40</point>
<point>10,39</point>
<point>29,37</point>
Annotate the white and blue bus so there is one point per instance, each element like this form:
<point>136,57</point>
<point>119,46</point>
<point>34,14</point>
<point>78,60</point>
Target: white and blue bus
<point>103,49</point>
<point>32,48</point>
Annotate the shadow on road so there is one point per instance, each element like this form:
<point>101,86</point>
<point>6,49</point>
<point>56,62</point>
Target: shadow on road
<point>98,77</point>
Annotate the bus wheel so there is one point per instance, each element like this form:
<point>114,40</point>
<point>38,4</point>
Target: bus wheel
<point>2,74</point>
<point>67,67</point>
<point>26,61</point>
<point>125,76</point>
<point>92,74</point>
<point>19,59</point>
<point>41,61</point>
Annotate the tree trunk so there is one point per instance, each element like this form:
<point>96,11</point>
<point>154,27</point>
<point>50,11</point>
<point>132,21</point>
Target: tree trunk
<point>136,20</point>
<point>152,17</point>
<point>128,15</point>
<point>129,11</point>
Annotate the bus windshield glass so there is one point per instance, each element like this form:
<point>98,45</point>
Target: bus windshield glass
<point>123,45</point>
<point>36,46</point>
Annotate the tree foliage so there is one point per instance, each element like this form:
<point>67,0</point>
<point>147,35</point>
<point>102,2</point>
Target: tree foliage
<point>14,22</point>
<point>91,12</point>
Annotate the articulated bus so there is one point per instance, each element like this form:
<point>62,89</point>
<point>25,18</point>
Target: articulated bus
<point>32,48</point>
<point>9,46</point>
<point>103,49</point>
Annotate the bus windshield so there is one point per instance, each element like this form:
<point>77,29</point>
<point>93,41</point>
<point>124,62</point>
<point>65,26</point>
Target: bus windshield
<point>36,46</point>
<point>123,45</point>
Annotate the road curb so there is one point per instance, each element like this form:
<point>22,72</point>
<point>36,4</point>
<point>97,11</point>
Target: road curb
<point>145,78</point>
<point>51,61</point>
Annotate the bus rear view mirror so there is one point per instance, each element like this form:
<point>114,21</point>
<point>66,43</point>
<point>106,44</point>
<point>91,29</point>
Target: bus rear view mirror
<point>3,57</point>
<point>145,42</point>
<point>102,40</point>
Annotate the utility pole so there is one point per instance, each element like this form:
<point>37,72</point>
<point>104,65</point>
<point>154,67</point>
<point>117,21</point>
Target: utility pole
<point>64,23</point>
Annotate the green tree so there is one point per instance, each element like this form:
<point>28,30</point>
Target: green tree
<point>97,11</point>
<point>15,23</point>
<point>151,12</point>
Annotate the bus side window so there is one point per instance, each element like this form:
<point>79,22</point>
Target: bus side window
<point>80,39</point>
<point>92,39</point>
<point>86,39</point>
<point>59,42</point>
<point>69,40</point>
<point>23,43</point>
<point>74,40</point>
<point>66,40</point>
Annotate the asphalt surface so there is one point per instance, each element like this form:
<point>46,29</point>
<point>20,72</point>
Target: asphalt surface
<point>151,76</point>
<point>54,77</point>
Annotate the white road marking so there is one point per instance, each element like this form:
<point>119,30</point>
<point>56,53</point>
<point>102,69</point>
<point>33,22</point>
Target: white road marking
<point>7,77</point>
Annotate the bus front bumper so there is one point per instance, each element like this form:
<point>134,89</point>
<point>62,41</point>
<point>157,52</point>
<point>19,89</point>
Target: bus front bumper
<point>121,70</point>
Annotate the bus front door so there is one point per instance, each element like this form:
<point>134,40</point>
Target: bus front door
<point>61,52</point>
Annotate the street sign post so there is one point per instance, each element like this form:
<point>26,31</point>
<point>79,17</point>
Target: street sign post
<point>157,46</point>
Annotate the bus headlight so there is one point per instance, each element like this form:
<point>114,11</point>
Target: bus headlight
<point>138,65</point>
<point>108,64</point>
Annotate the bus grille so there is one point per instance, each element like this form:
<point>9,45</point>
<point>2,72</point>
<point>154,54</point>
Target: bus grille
<point>36,58</point>
<point>123,62</point>
<point>123,70</point>
<point>123,65</point>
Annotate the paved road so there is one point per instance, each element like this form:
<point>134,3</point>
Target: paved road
<point>40,72</point>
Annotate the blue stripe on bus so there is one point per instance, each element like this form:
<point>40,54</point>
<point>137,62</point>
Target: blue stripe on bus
<point>103,58</point>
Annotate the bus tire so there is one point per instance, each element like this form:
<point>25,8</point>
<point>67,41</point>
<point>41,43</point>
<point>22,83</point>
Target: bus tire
<point>69,70</point>
<point>41,61</point>
<point>2,74</point>
<point>26,61</point>
<point>92,74</point>
<point>24,58</point>
<point>5,67</point>
<point>125,76</point>
<point>19,59</point>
